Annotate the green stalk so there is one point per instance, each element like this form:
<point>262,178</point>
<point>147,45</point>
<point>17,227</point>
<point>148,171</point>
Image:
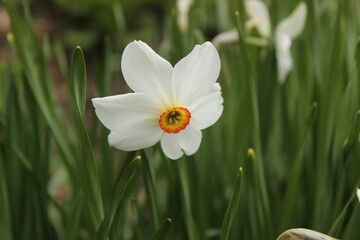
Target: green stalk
<point>334,230</point>
<point>247,68</point>
<point>232,207</point>
<point>150,189</point>
<point>186,201</point>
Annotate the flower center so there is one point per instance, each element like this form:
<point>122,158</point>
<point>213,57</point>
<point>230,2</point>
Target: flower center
<point>174,120</point>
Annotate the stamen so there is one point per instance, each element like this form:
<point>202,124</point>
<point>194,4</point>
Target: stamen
<point>174,120</point>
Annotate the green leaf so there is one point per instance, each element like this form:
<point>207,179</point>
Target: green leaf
<point>353,138</point>
<point>72,227</point>
<point>87,164</point>
<point>117,196</point>
<point>5,214</point>
<point>231,210</point>
<point>28,50</point>
<point>150,190</point>
<point>357,55</point>
<point>78,76</point>
<point>163,230</point>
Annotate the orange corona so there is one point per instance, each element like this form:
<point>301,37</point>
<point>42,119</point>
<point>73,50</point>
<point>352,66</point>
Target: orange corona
<point>174,120</point>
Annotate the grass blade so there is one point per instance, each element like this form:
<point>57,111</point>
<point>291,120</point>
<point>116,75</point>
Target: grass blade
<point>231,210</point>
<point>78,76</point>
<point>117,196</point>
<point>72,228</point>
<point>163,230</point>
<point>87,165</point>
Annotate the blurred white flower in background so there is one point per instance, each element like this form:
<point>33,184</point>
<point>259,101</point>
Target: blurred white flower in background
<point>303,234</point>
<point>287,30</point>
<point>225,38</point>
<point>183,7</point>
<point>358,194</point>
<point>169,104</point>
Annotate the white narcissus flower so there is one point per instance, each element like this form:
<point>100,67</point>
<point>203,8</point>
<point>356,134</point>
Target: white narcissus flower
<point>225,38</point>
<point>285,32</point>
<point>259,17</point>
<point>183,7</point>
<point>169,104</point>
<point>358,194</point>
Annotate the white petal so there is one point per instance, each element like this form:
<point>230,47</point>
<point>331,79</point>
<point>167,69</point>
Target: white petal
<point>358,194</point>
<point>170,146</point>
<point>259,16</point>
<point>294,23</point>
<point>188,141</point>
<point>197,71</point>
<point>132,119</point>
<point>146,72</point>
<point>207,109</point>
<point>225,38</point>
<point>283,56</point>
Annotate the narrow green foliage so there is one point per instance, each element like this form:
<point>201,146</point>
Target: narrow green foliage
<point>191,227</point>
<point>87,164</point>
<point>150,190</point>
<point>5,215</point>
<point>296,169</point>
<point>117,197</point>
<point>232,207</point>
<point>335,228</point>
<point>310,120</point>
<point>163,230</point>
<point>32,61</point>
<point>353,138</point>
<point>78,76</point>
<point>357,55</point>
<point>72,227</point>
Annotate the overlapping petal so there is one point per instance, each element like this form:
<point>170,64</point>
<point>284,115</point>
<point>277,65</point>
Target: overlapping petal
<point>207,108</point>
<point>146,72</point>
<point>187,141</point>
<point>132,119</point>
<point>259,16</point>
<point>294,23</point>
<point>195,73</point>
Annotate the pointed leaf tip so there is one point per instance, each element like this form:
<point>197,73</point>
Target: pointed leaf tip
<point>251,154</point>
<point>231,209</point>
<point>311,118</point>
<point>10,37</point>
<point>163,230</point>
<point>240,172</point>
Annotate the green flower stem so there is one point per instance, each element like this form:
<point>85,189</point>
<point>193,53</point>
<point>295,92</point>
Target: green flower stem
<point>185,199</point>
<point>339,220</point>
<point>293,186</point>
<point>150,189</point>
<point>247,69</point>
<point>232,207</point>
